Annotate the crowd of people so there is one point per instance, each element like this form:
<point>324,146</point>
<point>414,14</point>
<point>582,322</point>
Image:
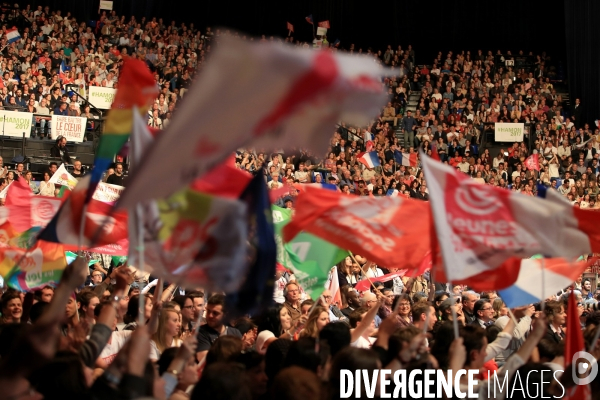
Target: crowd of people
<point>89,338</point>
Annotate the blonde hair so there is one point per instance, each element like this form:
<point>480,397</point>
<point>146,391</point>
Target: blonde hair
<point>159,337</point>
<point>311,330</point>
<point>497,306</point>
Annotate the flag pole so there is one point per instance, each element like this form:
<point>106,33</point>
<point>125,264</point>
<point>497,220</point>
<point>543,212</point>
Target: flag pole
<point>81,229</point>
<point>543,304</point>
<point>363,272</point>
<point>141,261</point>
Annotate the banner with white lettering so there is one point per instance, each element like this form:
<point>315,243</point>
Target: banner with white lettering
<point>108,193</point>
<point>72,128</point>
<point>509,132</point>
<point>101,97</point>
<point>13,123</point>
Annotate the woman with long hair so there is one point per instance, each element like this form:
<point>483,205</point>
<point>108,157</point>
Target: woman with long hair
<point>348,272</point>
<point>47,188</point>
<point>169,326</point>
<point>317,319</point>
<point>500,309</point>
<point>88,301</point>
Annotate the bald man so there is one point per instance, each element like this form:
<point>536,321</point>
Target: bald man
<point>369,300</point>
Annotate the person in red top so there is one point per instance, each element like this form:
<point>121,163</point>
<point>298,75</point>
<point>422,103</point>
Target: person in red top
<point>456,160</point>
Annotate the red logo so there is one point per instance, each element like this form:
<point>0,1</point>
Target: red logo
<point>481,218</point>
<point>45,210</point>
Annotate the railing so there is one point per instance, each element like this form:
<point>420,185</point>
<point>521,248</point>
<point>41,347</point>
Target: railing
<point>349,136</point>
<point>93,108</point>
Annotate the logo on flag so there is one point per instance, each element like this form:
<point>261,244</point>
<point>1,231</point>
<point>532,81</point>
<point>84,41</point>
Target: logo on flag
<point>476,200</point>
<point>532,162</point>
<point>324,24</point>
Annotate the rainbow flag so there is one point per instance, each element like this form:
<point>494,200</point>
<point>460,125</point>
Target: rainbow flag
<point>137,88</point>
<point>41,266</point>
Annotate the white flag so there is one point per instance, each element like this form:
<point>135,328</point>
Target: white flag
<point>264,95</point>
<point>63,177</point>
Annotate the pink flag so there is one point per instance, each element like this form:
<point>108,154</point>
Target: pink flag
<point>290,27</point>
<point>285,97</point>
<point>324,24</point>
<point>532,162</point>
<point>18,201</point>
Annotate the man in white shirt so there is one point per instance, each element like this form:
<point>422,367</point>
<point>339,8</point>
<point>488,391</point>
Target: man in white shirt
<point>564,151</point>
<point>301,174</point>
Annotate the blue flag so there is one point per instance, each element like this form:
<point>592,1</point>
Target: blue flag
<point>256,293</point>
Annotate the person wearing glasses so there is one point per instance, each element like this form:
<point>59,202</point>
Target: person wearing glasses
<point>292,301</point>
<point>96,278</point>
<point>326,301</point>
<point>186,304</point>
<point>484,313</point>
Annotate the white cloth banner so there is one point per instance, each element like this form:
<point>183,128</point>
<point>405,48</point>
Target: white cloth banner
<point>63,177</point>
<point>285,97</point>
<point>509,132</point>
<point>101,97</point>
<point>5,191</point>
<point>13,123</point>
<point>106,5</point>
<point>72,128</point>
<point>108,193</point>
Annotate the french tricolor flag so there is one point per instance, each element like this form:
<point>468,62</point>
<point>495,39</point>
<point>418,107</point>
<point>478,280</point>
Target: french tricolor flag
<point>62,72</point>
<point>409,159</point>
<point>12,35</point>
<point>370,159</point>
<point>533,285</point>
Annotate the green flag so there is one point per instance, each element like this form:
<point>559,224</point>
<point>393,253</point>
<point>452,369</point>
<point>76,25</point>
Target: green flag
<point>309,257</point>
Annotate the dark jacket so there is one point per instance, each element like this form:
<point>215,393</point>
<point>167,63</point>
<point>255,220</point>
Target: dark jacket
<point>55,151</point>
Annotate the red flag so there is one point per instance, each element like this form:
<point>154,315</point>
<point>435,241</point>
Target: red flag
<point>369,146</point>
<point>532,162</point>
<point>573,344</point>
<point>324,24</point>
<point>434,152</point>
<point>224,180</point>
<point>423,267</point>
<point>496,279</point>
<point>290,27</point>
<point>365,283</point>
<point>391,231</point>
